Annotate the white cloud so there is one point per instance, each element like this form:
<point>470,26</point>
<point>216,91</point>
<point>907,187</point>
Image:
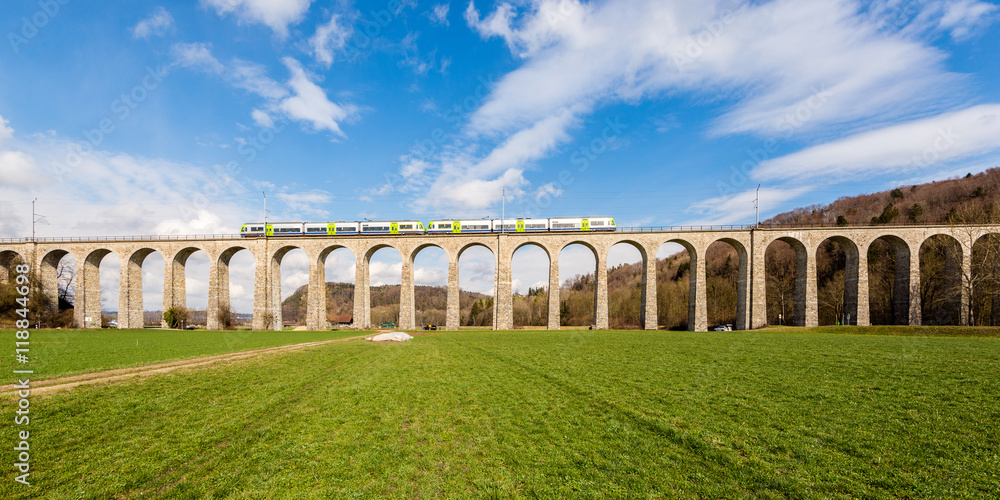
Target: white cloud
<point>241,74</point>
<point>906,147</point>
<point>262,119</point>
<point>329,38</point>
<point>19,169</point>
<point>300,99</point>
<point>157,24</point>
<point>307,203</point>
<point>547,190</point>
<point>439,14</point>
<point>963,17</point>
<point>310,104</point>
<point>5,131</point>
<point>275,14</point>
<point>577,57</point>
<point>739,208</point>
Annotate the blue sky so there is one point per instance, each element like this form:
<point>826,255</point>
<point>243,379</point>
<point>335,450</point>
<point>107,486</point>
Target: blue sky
<point>127,117</point>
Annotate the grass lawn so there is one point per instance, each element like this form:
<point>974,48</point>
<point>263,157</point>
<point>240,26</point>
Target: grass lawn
<point>57,353</point>
<point>578,414</point>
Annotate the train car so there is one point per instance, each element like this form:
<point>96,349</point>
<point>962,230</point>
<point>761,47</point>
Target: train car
<point>582,224</point>
<point>602,224</point>
<point>520,225</point>
<point>252,229</point>
<point>460,226</point>
<point>285,229</point>
<point>330,228</point>
<point>392,227</point>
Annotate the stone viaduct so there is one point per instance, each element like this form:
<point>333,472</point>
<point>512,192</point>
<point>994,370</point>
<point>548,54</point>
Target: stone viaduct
<point>750,245</point>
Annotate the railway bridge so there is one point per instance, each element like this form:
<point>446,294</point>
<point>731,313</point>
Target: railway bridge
<point>750,244</point>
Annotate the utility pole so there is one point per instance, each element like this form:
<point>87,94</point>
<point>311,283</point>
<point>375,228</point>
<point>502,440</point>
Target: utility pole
<point>756,207</point>
<point>35,218</point>
<point>503,209</point>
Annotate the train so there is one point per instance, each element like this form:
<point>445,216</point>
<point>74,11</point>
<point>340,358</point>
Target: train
<point>459,226</point>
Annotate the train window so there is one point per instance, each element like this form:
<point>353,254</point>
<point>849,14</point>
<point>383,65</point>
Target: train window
<point>406,226</point>
<point>444,226</point>
<point>597,223</point>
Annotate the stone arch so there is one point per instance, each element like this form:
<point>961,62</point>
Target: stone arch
<point>273,298</point>
<point>836,288</point>
<point>220,312</point>
<point>318,313</point>
<point>130,296</point>
<point>670,290</point>
<point>599,317</point>
<point>480,312</point>
<point>529,310</point>
<point>889,269</point>
<point>87,307</point>
<point>742,280</point>
<point>175,278</point>
<point>407,300</point>
<point>49,275</point>
<point>984,281</point>
<point>369,316</point>
<point>785,292</point>
<point>9,259</point>
<point>943,298</point>
<point>625,298</point>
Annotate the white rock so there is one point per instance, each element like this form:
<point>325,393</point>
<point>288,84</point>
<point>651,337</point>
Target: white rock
<point>391,337</point>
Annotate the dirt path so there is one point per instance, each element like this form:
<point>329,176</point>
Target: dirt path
<point>67,383</point>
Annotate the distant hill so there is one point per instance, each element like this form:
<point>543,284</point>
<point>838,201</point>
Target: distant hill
<point>430,301</point>
<point>971,199</point>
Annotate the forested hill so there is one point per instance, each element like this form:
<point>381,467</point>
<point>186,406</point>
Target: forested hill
<point>971,199</point>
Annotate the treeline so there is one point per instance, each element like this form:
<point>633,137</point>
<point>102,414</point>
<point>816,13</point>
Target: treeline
<point>972,199</point>
<point>431,304</point>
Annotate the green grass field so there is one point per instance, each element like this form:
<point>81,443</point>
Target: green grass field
<point>57,353</point>
<point>579,414</point>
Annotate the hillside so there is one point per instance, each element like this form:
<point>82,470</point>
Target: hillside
<point>972,198</point>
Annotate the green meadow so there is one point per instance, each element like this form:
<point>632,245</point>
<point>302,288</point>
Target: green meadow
<point>536,414</point>
<point>58,353</point>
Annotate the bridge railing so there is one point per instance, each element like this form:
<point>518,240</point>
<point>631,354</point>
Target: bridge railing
<point>61,239</point>
<point>649,229</point>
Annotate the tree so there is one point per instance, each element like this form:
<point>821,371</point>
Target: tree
<point>915,212</point>
<point>831,296</point>
<point>889,214</point>
<point>780,272</point>
<point>896,194</point>
<point>175,317</point>
<point>841,220</point>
